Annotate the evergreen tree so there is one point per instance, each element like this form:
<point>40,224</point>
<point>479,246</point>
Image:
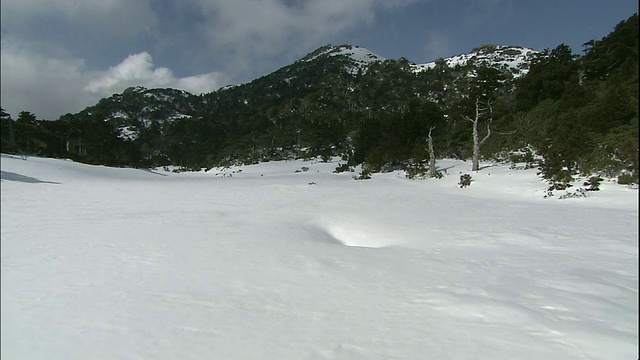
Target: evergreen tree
<point>8,142</point>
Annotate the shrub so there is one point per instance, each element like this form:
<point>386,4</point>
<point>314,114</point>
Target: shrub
<point>577,194</point>
<point>593,183</point>
<point>465,180</point>
<point>365,174</point>
<point>439,175</point>
<point>525,156</point>
<point>416,172</point>
<point>627,179</point>
<point>557,185</point>
<point>342,168</point>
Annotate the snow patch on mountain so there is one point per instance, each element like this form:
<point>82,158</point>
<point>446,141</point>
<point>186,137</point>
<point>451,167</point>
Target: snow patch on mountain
<point>357,54</point>
<point>515,59</point>
<point>129,133</point>
<point>360,58</point>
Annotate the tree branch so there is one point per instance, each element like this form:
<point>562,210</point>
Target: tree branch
<point>467,118</point>
<point>488,132</point>
<point>506,133</point>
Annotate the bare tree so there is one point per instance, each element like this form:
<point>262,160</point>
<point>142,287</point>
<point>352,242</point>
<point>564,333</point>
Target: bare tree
<point>481,111</point>
<point>432,155</point>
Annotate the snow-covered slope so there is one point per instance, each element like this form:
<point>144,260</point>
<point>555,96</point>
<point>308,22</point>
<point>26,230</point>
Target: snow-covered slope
<point>359,57</point>
<point>290,261</point>
<point>356,53</point>
<point>516,59</point>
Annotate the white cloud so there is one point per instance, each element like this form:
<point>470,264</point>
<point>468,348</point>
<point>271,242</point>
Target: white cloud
<point>203,83</point>
<point>139,70</point>
<point>51,87</point>
<point>136,69</point>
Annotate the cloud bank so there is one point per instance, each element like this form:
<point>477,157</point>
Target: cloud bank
<point>50,87</point>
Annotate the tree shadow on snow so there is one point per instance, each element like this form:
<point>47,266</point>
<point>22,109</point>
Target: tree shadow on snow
<point>153,172</point>
<point>9,176</point>
<point>486,166</point>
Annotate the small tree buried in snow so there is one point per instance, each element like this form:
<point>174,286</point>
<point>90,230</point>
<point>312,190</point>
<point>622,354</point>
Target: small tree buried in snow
<point>342,168</point>
<point>465,180</point>
<point>593,183</point>
<point>365,174</point>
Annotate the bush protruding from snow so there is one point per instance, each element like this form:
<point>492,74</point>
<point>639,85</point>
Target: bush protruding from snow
<point>465,180</point>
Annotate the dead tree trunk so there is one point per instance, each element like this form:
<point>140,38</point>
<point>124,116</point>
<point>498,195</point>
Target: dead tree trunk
<point>477,143</point>
<point>432,155</point>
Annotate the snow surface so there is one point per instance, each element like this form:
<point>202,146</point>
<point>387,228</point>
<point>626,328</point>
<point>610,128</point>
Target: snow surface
<point>290,261</point>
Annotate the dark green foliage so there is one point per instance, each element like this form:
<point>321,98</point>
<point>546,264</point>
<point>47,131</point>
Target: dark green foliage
<point>560,183</point>
<point>420,170</point>
<point>547,78</point>
<point>342,168</point>
<point>593,183</point>
<point>8,142</point>
<point>524,156</point>
<point>627,179</point>
<point>617,51</point>
<point>581,114</point>
<point>465,180</point>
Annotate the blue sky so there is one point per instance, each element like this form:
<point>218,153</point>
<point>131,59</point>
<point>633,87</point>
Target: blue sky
<point>60,56</point>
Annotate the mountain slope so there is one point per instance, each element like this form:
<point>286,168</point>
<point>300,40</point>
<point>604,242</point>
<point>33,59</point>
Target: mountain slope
<point>288,108</point>
<point>515,59</point>
<point>359,58</point>
<point>138,109</point>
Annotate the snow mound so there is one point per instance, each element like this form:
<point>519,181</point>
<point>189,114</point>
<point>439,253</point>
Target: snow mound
<point>348,235</point>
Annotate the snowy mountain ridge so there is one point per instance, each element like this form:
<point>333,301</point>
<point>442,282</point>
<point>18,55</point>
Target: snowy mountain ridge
<point>516,59</point>
<point>360,58</point>
<point>138,109</point>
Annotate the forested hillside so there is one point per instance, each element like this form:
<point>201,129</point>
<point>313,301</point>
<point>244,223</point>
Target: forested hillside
<point>567,114</point>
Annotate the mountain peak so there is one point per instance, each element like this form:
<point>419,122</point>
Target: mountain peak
<point>359,57</point>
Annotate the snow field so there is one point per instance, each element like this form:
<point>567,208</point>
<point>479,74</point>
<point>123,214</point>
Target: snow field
<point>270,263</point>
